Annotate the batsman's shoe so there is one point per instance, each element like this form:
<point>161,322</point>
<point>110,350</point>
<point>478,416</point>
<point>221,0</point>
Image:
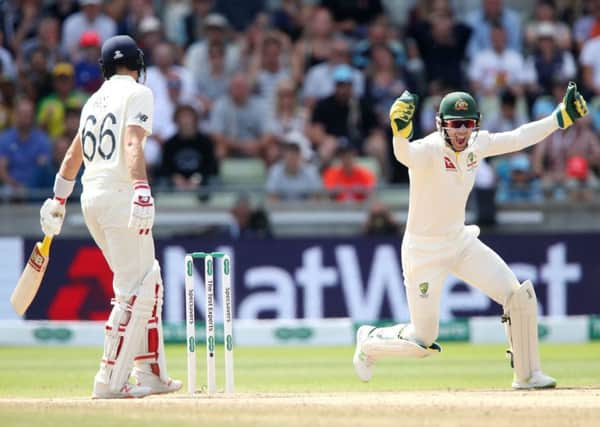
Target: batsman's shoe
<point>154,383</point>
<point>537,380</point>
<point>363,364</point>
<point>128,391</point>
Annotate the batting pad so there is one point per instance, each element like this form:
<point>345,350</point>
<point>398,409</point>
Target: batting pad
<point>520,320</point>
<point>151,356</point>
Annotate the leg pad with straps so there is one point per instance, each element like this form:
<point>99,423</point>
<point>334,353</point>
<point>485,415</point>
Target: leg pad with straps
<point>520,320</point>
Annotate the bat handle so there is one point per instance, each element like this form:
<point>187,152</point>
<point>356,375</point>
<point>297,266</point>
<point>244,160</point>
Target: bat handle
<point>45,246</point>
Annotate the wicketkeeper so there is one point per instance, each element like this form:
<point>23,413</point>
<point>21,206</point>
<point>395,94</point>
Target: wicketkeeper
<point>442,168</point>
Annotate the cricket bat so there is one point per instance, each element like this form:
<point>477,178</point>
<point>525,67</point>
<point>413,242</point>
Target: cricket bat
<point>32,276</point>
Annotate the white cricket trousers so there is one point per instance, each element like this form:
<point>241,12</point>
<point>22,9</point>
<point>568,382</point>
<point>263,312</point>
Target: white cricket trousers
<point>129,255</point>
<point>427,262</point>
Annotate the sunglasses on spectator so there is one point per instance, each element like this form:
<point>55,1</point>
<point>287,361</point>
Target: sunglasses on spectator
<point>458,123</point>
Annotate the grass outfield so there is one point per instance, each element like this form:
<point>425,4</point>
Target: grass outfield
<point>299,386</point>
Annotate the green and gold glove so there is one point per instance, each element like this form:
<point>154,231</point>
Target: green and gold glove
<point>401,114</point>
<point>572,107</point>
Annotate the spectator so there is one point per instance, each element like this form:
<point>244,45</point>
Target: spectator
<point>72,116</point>
<point>267,69</point>
<point>509,117</point>
<point>7,63</point>
<point>247,222</point>
<point>442,43</point>
<point>62,9</point>
<point>289,117</point>
<point>51,111</point>
<point>516,181</point>
<point>549,60</point>
<point>34,77</point>
<point>348,181</point>
<point>150,34</point>
<point>314,46</point>
<point>7,102</point>
<point>171,84</point>
<point>188,160</point>
<point>89,18</point>
<point>48,38</point>
<point>288,18</point>
<point>581,182</point>
<point>23,150</point>
<point>590,61</point>
<point>88,75</point>
<point>27,21</point>
<point>384,82</point>
<point>551,158</point>
<point>213,85</point>
<point>292,179</point>
<point>379,34</point>
<point>216,31</point>
<point>194,21</point>
<point>320,83</point>
<point>482,20</point>
<point>587,26</point>
<point>380,221</point>
<point>343,114</point>
<point>238,122</point>
<point>544,15</point>
<point>498,68</point>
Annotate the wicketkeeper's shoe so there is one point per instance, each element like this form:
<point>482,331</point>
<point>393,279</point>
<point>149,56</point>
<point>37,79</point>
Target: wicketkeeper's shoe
<point>363,364</point>
<point>128,391</point>
<point>154,383</point>
<point>537,380</point>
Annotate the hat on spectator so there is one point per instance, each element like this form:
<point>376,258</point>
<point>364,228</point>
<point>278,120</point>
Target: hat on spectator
<point>216,20</point>
<point>89,38</point>
<point>577,167</point>
<point>545,30</point>
<point>342,74</point>
<point>89,2</point>
<point>63,69</point>
<point>149,24</point>
<point>296,140</point>
<point>520,162</point>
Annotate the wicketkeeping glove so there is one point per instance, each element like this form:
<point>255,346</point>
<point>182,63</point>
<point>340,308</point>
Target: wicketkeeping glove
<point>142,208</point>
<point>401,114</point>
<point>572,107</point>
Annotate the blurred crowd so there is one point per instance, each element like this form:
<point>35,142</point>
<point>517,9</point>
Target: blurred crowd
<point>305,87</point>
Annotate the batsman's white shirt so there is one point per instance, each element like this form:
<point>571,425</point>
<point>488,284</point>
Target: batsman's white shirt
<point>119,102</point>
<point>107,186</point>
<point>441,179</point>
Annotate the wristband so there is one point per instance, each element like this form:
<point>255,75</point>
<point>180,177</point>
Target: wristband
<point>62,188</point>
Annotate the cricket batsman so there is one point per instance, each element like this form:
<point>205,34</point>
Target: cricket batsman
<point>119,212</point>
<point>442,168</point>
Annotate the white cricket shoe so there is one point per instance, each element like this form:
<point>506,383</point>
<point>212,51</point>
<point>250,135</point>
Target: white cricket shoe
<point>537,380</point>
<point>128,391</point>
<point>363,364</point>
<point>154,383</point>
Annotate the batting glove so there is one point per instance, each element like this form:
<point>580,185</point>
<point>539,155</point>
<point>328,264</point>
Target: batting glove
<point>142,208</point>
<point>572,107</point>
<point>52,215</point>
<point>401,114</point>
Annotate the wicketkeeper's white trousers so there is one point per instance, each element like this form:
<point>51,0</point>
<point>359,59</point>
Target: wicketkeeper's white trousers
<point>427,262</point>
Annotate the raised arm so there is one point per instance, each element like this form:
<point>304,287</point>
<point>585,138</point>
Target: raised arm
<point>401,115</point>
<point>572,108</point>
